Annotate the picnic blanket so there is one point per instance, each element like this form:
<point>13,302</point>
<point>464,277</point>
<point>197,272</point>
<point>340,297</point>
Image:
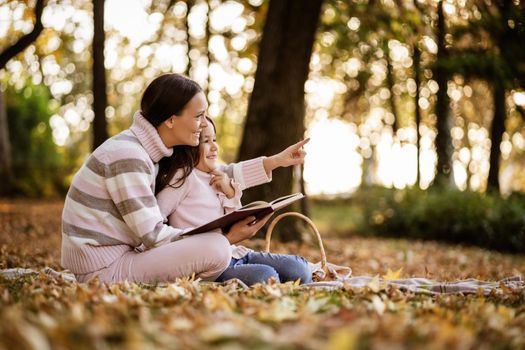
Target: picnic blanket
<point>427,286</point>
<point>19,272</point>
<point>414,284</point>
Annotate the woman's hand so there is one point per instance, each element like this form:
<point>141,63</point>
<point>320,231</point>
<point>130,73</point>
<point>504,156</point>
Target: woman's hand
<point>292,155</point>
<point>222,183</point>
<point>245,229</point>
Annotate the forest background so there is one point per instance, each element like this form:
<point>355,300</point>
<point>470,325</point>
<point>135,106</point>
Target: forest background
<point>416,109</point>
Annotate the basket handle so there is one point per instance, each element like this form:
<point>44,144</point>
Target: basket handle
<point>305,218</point>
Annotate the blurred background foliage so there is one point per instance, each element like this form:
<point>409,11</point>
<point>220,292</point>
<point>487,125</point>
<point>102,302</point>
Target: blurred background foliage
<point>38,163</point>
<point>372,102</point>
<point>464,217</point>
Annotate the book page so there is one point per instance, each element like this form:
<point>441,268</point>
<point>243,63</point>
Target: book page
<point>256,204</point>
<point>283,201</point>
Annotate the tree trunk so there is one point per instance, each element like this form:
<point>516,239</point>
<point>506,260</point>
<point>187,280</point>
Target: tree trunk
<point>443,140</point>
<point>6,170</point>
<point>276,110</point>
<point>497,128</point>
<point>417,112</point>
<point>100,99</point>
<point>189,47</point>
<point>208,51</point>
<point>505,39</point>
<point>305,207</point>
<point>367,176</point>
<point>390,80</point>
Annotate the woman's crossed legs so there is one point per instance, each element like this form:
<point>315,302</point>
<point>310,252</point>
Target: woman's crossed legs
<point>205,255</point>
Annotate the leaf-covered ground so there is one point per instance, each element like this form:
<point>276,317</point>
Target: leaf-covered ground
<point>42,312</point>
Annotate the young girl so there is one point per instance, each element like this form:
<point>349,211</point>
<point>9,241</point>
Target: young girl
<point>207,193</point>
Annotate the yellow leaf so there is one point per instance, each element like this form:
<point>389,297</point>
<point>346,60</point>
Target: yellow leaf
<point>389,276</point>
<point>342,339</point>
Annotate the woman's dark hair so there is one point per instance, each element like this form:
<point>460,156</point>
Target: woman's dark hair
<point>165,96</point>
<point>183,157</point>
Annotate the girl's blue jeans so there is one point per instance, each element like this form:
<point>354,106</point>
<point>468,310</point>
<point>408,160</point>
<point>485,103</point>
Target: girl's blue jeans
<point>257,267</point>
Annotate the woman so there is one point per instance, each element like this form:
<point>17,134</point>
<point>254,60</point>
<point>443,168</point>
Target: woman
<point>112,227</point>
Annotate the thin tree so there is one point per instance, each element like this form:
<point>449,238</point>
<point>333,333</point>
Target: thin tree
<point>506,39</point>
<point>100,98</point>
<point>390,81</point>
<point>419,30</point>
<point>13,50</point>
<point>209,54</point>
<point>186,24</point>
<point>443,139</point>
<point>417,111</point>
<point>276,109</point>
<point>497,128</point>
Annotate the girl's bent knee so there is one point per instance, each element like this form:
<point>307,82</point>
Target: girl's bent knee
<point>264,274</point>
<point>305,275</point>
<point>250,274</point>
<point>300,270</point>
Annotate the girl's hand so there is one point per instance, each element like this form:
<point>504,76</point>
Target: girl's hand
<point>245,229</point>
<point>222,183</point>
<point>292,155</point>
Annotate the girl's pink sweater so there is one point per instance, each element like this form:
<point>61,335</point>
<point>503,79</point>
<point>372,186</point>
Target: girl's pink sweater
<point>195,202</point>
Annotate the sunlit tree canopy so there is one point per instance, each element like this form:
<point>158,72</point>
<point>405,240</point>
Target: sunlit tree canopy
<point>360,95</point>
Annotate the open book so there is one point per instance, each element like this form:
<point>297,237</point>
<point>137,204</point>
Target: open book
<point>259,209</point>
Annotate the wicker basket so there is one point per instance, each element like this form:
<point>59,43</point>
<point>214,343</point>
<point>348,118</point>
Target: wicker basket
<point>309,222</point>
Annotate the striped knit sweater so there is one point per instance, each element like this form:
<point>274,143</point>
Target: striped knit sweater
<point>111,208</point>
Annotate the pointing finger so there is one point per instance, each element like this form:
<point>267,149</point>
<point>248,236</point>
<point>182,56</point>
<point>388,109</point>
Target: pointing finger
<point>301,143</point>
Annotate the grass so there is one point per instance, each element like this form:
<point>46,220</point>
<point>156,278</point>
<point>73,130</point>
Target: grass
<point>337,217</point>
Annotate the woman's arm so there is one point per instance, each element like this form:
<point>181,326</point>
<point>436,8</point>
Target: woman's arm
<point>130,189</point>
<point>170,197</point>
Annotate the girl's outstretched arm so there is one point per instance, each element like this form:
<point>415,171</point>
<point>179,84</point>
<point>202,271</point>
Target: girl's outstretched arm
<point>257,171</point>
<point>292,155</point>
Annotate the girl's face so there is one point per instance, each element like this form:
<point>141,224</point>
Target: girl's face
<point>186,128</point>
<point>208,149</point>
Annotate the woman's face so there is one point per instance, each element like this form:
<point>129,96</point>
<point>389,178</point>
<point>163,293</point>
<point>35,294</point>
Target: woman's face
<point>186,128</point>
<point>208,149</point>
